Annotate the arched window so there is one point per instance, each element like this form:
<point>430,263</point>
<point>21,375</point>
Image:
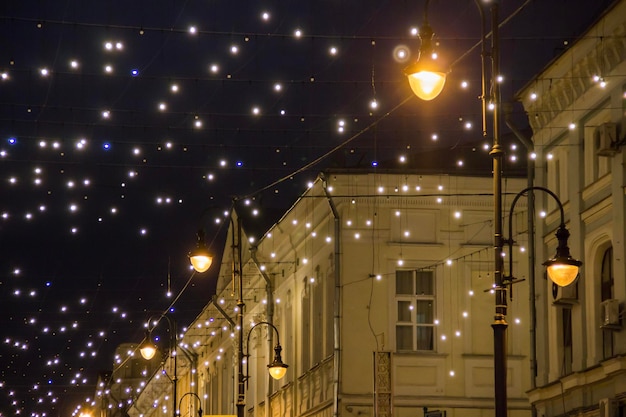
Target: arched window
<point>606,275</point>
<point>606,293</point>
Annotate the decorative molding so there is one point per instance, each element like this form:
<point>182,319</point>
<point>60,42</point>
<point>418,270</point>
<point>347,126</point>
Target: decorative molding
<point>558,92</point>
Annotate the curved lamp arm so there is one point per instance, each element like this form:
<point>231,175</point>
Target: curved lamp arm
<point>562,268</point>
<point>181,401</point>
<point>277,368</point>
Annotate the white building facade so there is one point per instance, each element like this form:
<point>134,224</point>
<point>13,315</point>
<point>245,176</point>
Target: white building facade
<point>379,288</point>
<point>576,108</point>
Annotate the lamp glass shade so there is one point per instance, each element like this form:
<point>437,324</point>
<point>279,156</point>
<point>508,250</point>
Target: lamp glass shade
<point>277,371</point>
<point>562,274</point>
<point>147,350</point>
<point>427,84</point>
<point>277,368</point>
<point>200,261</point>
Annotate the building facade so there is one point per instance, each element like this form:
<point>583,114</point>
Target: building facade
<point>379,288</point>
<point>576,108</point>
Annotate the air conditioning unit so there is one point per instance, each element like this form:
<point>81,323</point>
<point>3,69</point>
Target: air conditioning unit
<point>565,295</point>
<point>609,314</point>
<point>605,139</point>
<point>607,407</point>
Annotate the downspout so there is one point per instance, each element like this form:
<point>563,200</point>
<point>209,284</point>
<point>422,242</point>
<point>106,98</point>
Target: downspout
<point>336,302</point>
<point>192,357</point>
<point>269,289</point>
<point>530,147</point>
<point>269,286</point>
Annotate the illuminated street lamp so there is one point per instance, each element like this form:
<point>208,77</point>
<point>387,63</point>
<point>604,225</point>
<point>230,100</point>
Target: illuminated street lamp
<point>147,348</point>
<point>562,268</point>
<point>200,257</point>
<point>426,76</point>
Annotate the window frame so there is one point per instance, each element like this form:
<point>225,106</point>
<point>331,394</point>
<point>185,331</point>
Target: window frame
<point>411,298</point>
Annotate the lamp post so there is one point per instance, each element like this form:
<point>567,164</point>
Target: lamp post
<point>148,350</point>
<point>562,268</point>
<point>181,401</point>
<point>198,258</point>
<point>277,368</point>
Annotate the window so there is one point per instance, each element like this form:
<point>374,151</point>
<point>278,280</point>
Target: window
<point>606,293</point>
<point>306,328</point>
<point>595,166</point>
<point>566,325</point>
<point>606,283</point>
<point>415,304</point>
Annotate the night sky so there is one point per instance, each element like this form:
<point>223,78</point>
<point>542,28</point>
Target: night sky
<point>127,125</point>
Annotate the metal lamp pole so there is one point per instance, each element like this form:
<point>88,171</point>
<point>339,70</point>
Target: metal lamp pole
<point>201,261</point>
<point>173,338</point>
<point>499,324</point>
<point>238,274</point>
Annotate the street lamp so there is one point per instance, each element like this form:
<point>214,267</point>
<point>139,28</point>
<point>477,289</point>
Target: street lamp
<point>148,350</point>
<point>200,257</point>
<point>426,76</point>
<point>237,276</point>
<point>277,368</point>
<point>181,401</point>
<point>562,268</point>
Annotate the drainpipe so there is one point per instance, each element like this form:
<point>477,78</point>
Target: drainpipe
<point>337,300</point>
<point>192,357</point>
<point>530,147</point>
<point>269,289</point>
